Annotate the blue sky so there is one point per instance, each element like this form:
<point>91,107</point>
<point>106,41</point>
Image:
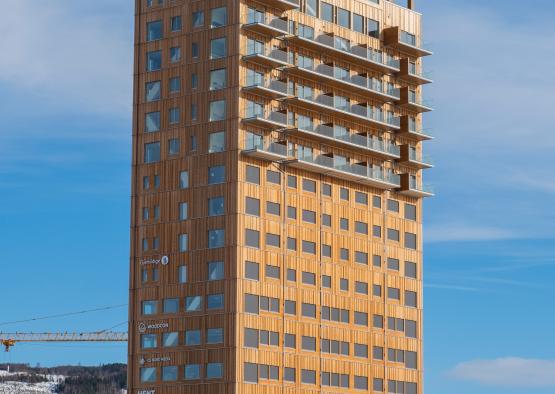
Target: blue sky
<point>490,248</point>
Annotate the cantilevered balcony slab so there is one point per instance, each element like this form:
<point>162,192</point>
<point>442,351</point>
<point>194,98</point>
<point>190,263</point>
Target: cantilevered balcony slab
<point>410,74</point>
<point>270,121</point>
<point>359,55</point>
<point>363,175</point>
<point>356,83</point>
<point>410,187</point>
<point>412,102</point>
<point>270,151</point>
<point>272,89</point>
<point>410,157</point>
<point>404,42</point>
<point>266,24</point>
<point>283,5</point>
<point>353,112</point>
<point>409,130</point>
<point>351,142</point>
<point>272,57</point>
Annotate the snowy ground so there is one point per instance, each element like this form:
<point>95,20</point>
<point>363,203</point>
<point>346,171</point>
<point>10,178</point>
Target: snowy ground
<point>29,388</point>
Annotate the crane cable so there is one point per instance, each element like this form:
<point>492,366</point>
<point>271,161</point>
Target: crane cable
<point>104,308</point>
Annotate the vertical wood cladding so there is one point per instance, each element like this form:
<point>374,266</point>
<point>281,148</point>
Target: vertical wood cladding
<point>355,285</point>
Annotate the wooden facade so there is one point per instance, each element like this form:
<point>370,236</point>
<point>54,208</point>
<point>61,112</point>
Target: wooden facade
<point>339,220</point>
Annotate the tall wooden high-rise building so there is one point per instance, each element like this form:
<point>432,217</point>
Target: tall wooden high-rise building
<point>276,230</point>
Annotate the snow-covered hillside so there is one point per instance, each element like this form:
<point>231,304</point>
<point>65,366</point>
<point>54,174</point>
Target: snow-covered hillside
<point>9,387</point>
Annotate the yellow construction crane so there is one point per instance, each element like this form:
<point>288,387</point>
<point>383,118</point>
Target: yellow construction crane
<point>10,339</point>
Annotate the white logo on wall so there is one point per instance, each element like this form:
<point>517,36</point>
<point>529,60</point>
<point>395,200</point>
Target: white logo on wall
<point>143,327</point>
<point>164,260</point>
<point>146,392</point>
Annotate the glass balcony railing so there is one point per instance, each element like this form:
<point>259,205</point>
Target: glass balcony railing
<point>339,74</point>
<point>270,84</point>
<point>270,116</point>
<point>363,141</point>
<point>420,74</point>
<point>363,52</point>
<point>419,157</point>
<point>415,100</point>
<point>266,146</point>
<point>256,17</point>
<point>354,109</point>
<point>272,53</point>
<point>415,185</point>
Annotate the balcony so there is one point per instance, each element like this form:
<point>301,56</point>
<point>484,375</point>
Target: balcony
<point>360,172</point>
<point>283,5</point>
<point>336,136</point>
<point>269,88</point>
<point>410,100</point>
<point>412,188</point>
<point>353,112</point>
<point>409,129</point>
<point>411,157</point>
<point>358,54</point>
<point>272,120</point>
<point>265,24</point>
<point>273,57</point>
<point>403,41</point>
<point>266,150</point>
<point>335,77</point>
<point>410,74</point>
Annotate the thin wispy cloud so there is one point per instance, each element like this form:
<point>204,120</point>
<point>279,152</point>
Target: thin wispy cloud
<point>451,287</point>
<point>509,372</point>
<point>449,232</point>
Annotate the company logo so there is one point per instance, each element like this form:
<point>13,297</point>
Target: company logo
<point>146,392</point>
<point>164,260</point>
<point>155,360</point>
<point>144,327</point>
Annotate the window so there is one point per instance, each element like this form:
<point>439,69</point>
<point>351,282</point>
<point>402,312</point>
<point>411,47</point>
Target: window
<point>251,304</point>
<point>216,238</point>
<point>377,290</point>
<point>218,17</point>
<point>326,281</point>
<point>344,254</point>
<point>308,310</point>
<point>361,350</point>
<point>183,179</point>
<point>361,287</point>
<point>148,341</point>
<point>216,142</point>
<point>218,79</point>
<point>361,382</point>
<point>182,274</point>
<point>175,84</point>
<point>195,50</point>
<point>309,216</point>
<point>215,206</point>
<point>289,374</point>
<point>392,205</point>
<point>290,307</point>
<point>343,17</point>
<point>272,240</point>
<point>176,23</point>
<point>377,353</point>
<point>252,206</point>
<point>215,301</point>
<point>377,321</point>
<point>217,110</point>
<point>392,264</point>
<point>326,189</point>
<point>411,360</point>
<point>253,174</point>
<point>361,198</point>
<point>174,145</point>
<point>344,224</point>
<point>148,374</point>
<point>194,112</point>
<point>326,12</point>
<point>272,271</point>
<point>251,337</point>
<point>252,270</point>
<point>410,270</point>
<point>175,54</point>
<point>152,122</point>
<point>291,212</point>
<point>273,177</point>
<point>361,257</point>
<point>150,307</point>
<point>326,250</point>
<point>393,234</point>
<point>376,201</point>
<point>252,238</point>
<point>154,30</point>
<point>410,329</point>
<point>218,48</point>
<point>361,318</point>
<point>272,208</point>
<point>197,18</point>
<point>183,211</point>
<point>289,341</point>
<point>311,7</point>
<point>192,371</point>
<point>170,339</point>
<point>309,247</point>
<point>152,152</point>
<point>326,220</point>
<point>373,27</point>
<point>153,61</point>
<point>358,23</point>
<point>291,275</point>
<point>183,242</point>
<point>292,181</point>
<point>410,212</point>
<point>214,370</point>
<point>344,284</point>
<point>215,270</point>
<point>361,228</point>
<point>377,384</point>
<point>308,278</point>
<point>344,193</point>
<point>308,343</point>
<point>410,240</point>
<point>410,298</point>
<point>309,185</point>
<point>171,305</point>
<point>250,372</point>
<point>393,293</point>
<point>193,303</point>
<point>152,91</point>
<point>192,337</point>
<point>308,376</point>
<point>216,174</point>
